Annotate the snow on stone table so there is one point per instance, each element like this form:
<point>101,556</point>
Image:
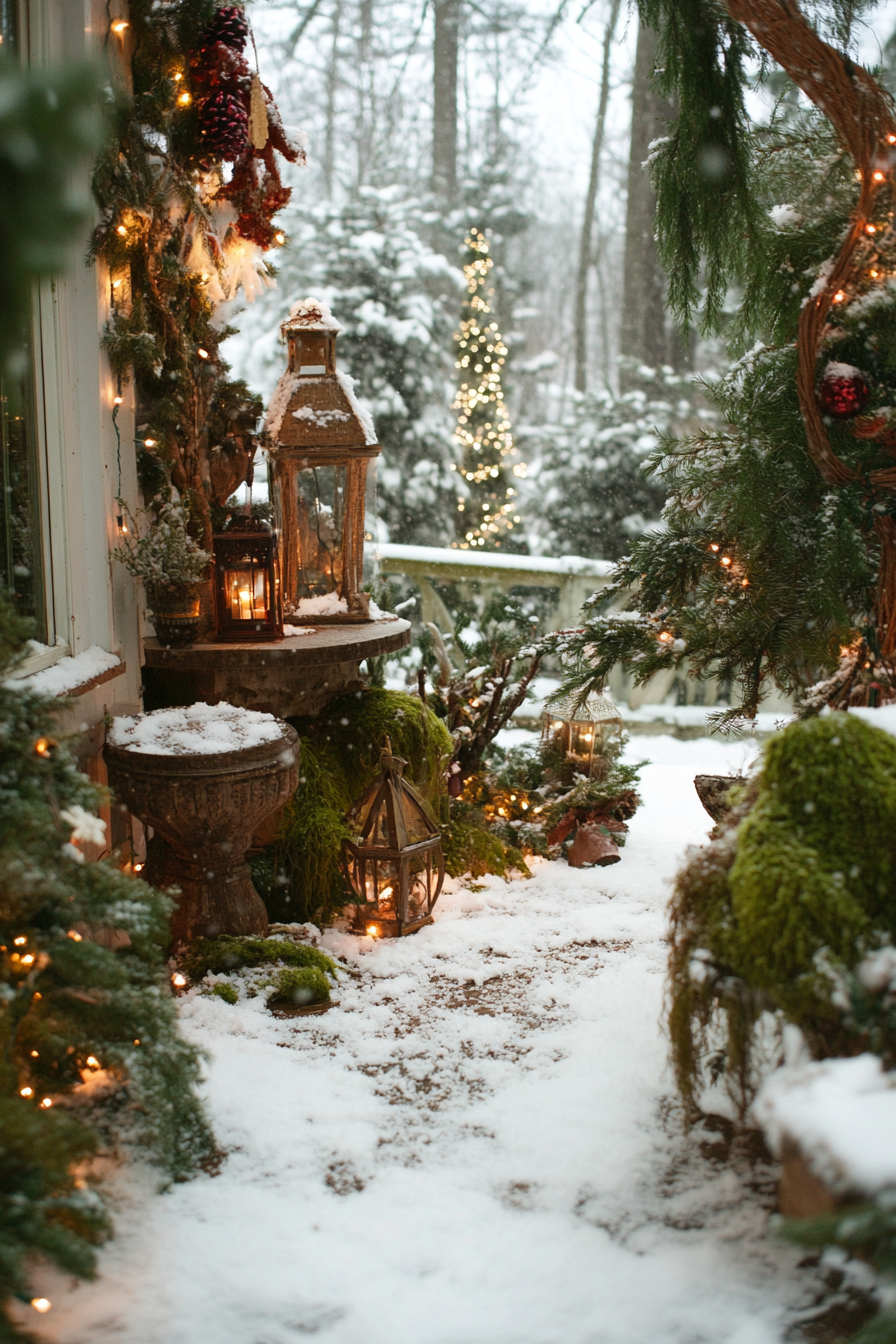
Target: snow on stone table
<point>475,1146</point>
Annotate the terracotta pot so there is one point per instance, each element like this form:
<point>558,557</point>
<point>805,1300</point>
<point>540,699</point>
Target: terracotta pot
<point>592,848</point>
<point>203,810</point>
<point>175,613</point>
<point>712,790</point>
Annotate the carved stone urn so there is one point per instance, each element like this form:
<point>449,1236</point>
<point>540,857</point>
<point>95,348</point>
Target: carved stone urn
<point>204,803</point>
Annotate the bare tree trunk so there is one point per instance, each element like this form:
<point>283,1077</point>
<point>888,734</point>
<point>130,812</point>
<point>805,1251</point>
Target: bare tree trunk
<point>329,155</point>
<point>365,129</point>
<point>444,120</point>
<point>643,335</point>
<point>585,243</point>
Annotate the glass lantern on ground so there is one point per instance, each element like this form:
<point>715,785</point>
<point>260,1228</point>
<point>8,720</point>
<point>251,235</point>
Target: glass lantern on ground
<point>320,443</point>
<point>247,582</point>
<point>586,733</point>
<point>395,865</point>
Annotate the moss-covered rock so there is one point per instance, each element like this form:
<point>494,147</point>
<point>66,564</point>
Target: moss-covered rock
<point>231,952</point>
<point>802,880</point>
<point>299,986</point>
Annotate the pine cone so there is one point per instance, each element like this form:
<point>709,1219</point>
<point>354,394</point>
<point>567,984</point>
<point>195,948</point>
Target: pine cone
<point>224,126</point>
<point>228,26</point>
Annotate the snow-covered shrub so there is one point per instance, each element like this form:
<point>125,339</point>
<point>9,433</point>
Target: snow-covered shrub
<point>596,490</point>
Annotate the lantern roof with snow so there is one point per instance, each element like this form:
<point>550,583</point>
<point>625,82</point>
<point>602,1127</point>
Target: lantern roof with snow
<point>595,708</point>
<point>314,409</point>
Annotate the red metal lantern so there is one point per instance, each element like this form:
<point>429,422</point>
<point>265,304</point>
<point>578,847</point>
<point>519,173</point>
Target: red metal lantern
<point>247,583</point>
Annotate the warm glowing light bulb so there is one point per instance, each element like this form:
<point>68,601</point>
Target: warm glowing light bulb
<point>121,229</point>
<point>116,401</point>
<point>41,1304</point>
<point>35,1055</point>
<point>874,274</point>
<point>92,1062</point>
<point>745,583</point>
<point>280,238</point>
<point>20,942</point>
<point>42,747</point>
<point>138,867</point>
<point>26,1092</point>
<point>372,931</point>
<point>74,935</point>
<point>28,959</point>
<point>203,354</point>
<point>665,636</point>
<point>46,1103</point>
<point>726,560</point>
<point>713,546</point>
<point>178,980</point>
<point>891,139</point>
<point>839,296</point>
<point>870,228</point>
<point>184,99</point>
<point>878,176</point>
<point>116,284</point>
<point>178,75</point>
<point>120,26</point>
<point>136,1042</point>
<point>149,443</point>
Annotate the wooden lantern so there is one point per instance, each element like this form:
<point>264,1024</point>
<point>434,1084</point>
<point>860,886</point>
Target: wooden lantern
<point>395,865</point>
<point>247,583</point>
<point>583,732</point>
<point>320,443</point>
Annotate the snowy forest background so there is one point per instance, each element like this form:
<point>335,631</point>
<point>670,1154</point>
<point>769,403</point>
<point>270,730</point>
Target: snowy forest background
<point>543,118</point>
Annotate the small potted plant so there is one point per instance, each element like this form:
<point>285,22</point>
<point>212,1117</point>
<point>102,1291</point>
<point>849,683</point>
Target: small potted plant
<point>171,564</point>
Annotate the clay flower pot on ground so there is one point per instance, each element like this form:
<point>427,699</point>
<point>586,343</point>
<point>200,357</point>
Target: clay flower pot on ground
<point>204,778</point>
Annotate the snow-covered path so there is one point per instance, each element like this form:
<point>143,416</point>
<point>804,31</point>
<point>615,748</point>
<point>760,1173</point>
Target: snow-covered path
<point>477,1146</point>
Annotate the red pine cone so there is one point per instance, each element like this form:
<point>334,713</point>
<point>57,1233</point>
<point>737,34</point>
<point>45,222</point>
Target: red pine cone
<point>224,126</point>
<point>843,392</point>
<point>228,26</point>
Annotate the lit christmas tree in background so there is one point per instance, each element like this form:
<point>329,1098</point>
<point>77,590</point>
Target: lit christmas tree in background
<point>486,509</point>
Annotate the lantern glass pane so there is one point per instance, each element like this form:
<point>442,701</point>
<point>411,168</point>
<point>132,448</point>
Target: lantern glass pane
<point>247,590</point>
<point>420,885</point>
<point>320,520</point>
<point>382,888</point>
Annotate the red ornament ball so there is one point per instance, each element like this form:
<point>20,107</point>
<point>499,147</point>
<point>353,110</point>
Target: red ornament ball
<point>843,392</point>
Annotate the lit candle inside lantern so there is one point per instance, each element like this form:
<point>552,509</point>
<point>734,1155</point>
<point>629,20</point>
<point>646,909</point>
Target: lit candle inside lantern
<point>245,596</point>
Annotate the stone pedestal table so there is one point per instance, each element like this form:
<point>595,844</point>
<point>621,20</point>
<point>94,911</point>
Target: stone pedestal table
<point>203,804</point>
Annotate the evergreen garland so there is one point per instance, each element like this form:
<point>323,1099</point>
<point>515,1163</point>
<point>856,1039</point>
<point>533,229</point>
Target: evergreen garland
<point>89,1047</point>
<point>178,237</point>
<point>485,504</point>
<point>774,540</point>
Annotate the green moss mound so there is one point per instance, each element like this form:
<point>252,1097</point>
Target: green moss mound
<point>340,757</point>
<point>232,953</point>
<point>799,885</point>
<point>300,985</point>
<point>226,992</point>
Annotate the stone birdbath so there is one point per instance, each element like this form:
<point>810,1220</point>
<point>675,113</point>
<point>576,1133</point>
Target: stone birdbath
<point>204,778</point>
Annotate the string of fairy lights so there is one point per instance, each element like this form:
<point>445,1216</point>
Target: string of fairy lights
<point>483,431</point>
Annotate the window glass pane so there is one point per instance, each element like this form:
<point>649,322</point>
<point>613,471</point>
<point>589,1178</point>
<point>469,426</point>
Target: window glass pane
<point>20,531</point>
